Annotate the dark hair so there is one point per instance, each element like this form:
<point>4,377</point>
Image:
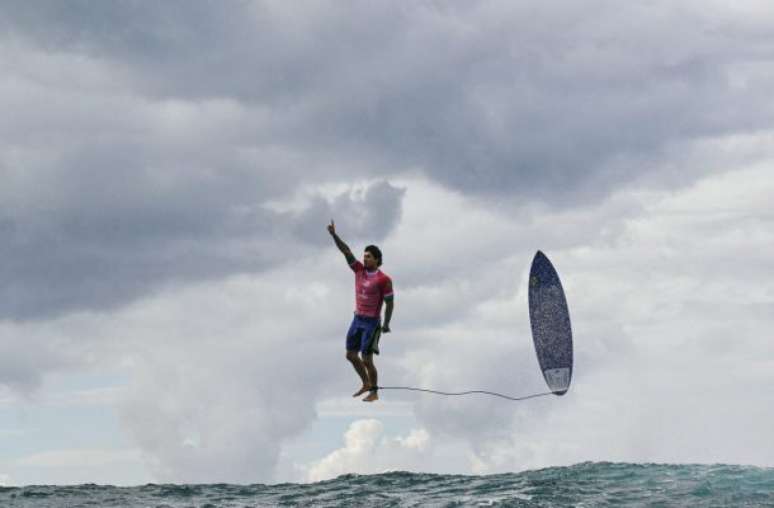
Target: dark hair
<point>375,252</point>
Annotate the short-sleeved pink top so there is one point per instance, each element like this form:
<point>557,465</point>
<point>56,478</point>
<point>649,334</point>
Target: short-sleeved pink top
<point>371,288</point>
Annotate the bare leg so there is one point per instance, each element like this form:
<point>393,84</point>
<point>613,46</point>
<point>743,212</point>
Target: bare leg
<point>357,363</point>
<point>368,362</point>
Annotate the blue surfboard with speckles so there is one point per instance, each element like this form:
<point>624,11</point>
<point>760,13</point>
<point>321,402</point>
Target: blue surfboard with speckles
<point>550,321</point>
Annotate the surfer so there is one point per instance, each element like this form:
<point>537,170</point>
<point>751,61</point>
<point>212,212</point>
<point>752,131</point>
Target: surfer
<point>372,287</point>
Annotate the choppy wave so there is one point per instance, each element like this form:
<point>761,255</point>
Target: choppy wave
<point>582,485</point>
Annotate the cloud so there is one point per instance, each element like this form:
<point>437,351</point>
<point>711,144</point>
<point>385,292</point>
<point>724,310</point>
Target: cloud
<point>224,372</point>
<point>167,129</point>
<point>670,323</point>
<point>367,451</point>
<point>547,103</point>
<point>109,196</point>
<point>224,387</point>
<point>6,480</point>
<point>45,349</point>
<point>109,255</point>
<point>170,170</point>
<point>371,211</point>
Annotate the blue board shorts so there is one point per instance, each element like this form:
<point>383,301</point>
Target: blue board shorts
<point>363,335</point>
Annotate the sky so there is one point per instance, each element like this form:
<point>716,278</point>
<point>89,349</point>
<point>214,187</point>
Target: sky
<point>172,308</point>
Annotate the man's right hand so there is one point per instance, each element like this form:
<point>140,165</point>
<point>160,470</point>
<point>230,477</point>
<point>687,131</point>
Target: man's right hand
<point>340,244</point>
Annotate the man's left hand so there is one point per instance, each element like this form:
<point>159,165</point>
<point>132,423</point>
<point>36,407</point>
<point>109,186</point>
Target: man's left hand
<point>386,329</point>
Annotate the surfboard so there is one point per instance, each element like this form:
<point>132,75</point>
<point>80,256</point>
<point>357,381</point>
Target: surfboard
<point>550,321</point>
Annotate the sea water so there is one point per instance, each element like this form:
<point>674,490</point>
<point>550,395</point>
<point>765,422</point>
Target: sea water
<point>581,485</point>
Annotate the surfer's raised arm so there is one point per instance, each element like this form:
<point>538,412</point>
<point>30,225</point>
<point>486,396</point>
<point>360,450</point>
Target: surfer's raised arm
<point>343,247</point>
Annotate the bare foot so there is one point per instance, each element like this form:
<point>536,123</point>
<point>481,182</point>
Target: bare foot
<point>374,395</point>
<point>361,391</point>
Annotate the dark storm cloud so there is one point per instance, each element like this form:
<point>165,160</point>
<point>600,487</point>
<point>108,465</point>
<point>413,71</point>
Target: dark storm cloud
<point>104,201</point>
<point>100,256</point>
<point>367,216</point>
<point>553,102</point>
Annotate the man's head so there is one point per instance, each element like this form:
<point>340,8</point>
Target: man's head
<point>372,257</point>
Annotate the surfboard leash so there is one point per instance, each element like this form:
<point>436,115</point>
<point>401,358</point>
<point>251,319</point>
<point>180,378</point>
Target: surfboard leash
<point>470,392</point>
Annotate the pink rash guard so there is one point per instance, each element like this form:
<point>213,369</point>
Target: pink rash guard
<point>371,288</point>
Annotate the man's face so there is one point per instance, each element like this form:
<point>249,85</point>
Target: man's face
<point>369,261</point>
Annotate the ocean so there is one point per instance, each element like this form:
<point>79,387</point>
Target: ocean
<point>582,485</point>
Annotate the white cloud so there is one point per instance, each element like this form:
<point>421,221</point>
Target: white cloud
<point>671,325</point>
<point>368,451</point>
<point>217,391</point>
<point>6,480</point>
<point>216,380</point>
<point>144,177</point>
<point>169,224</point>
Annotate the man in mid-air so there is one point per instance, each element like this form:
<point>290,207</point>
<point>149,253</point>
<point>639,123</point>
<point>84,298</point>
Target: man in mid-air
<point>372,287</point>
